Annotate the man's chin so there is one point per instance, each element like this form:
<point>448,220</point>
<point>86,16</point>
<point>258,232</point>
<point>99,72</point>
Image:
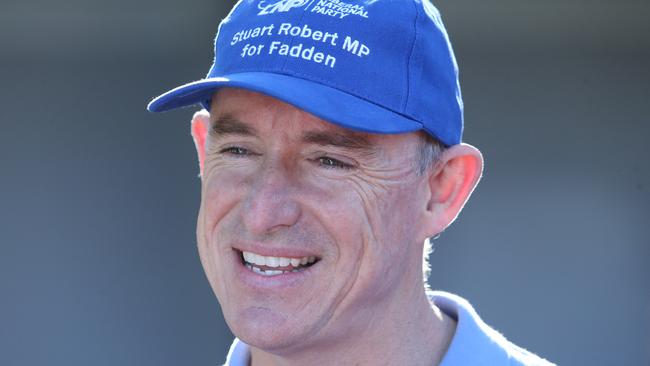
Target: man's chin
<point>269,331</point>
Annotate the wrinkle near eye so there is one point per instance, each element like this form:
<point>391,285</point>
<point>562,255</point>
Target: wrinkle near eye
<point>371,186</point>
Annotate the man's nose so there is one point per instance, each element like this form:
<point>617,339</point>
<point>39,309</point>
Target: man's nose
<point>271,203</point>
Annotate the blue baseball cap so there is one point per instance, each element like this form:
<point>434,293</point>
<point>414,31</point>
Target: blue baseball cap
<point>379,66</point>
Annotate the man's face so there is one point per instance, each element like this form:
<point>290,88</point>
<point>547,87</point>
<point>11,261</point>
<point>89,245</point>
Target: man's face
<point>344,208</point>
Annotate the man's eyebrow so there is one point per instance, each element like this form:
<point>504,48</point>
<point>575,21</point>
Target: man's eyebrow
<point>345,140</point>
<point>227,124</point>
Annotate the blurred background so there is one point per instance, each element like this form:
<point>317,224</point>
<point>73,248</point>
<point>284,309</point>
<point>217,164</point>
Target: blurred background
<point>98,197</point>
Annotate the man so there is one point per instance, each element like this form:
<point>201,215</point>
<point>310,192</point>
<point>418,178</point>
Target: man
<point>330,151</point>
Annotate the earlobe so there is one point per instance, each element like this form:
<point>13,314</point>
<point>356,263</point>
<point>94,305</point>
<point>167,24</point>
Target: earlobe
<point>457,174</point>
<point>200,125</point>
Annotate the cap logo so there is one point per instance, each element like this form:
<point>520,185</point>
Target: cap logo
<point>332,8</point>
<point>281,6</point>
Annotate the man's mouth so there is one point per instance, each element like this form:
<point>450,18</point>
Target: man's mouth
<point>275,266</point>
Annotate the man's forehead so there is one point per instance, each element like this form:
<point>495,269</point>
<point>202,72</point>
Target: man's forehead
<point>241,102</point>
<point>236,110</point>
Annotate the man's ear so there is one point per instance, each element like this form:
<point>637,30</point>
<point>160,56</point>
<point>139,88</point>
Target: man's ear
<point>450,184</point>
<point>200,126</point>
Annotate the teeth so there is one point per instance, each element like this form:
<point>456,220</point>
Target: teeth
<point>255,261</point>
<point>248,257</point>
<point>272,261</point>
<point>260,260</point>
<point>270,272</point>
<point>307,260</point>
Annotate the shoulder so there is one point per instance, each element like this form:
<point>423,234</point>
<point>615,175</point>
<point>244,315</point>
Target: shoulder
<point>476,343</point>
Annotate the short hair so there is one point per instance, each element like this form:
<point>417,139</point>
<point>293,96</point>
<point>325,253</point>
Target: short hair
<point>429,150</point>
<point>428,154</point>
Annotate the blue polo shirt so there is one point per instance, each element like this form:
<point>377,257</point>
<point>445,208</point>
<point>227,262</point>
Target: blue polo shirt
<point>474,343</point>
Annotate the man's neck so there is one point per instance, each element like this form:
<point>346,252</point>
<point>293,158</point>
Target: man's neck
<point>419,335</point>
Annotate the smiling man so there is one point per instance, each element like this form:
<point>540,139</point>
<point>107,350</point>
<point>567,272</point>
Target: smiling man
<point>326,166</point>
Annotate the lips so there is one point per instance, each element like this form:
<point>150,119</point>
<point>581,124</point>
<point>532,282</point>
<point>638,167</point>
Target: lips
<point>273,266</point>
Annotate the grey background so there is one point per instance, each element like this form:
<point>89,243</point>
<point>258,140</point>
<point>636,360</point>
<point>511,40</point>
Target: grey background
<point>98,197</point>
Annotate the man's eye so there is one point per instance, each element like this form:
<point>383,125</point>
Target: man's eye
<point>235,150</point>
<point>331,163</point>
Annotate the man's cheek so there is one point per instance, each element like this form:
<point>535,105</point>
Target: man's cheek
<point>220,196</point>
<point>366,199</point>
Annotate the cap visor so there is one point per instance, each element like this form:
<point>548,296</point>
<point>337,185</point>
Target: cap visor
<point>325,102</point>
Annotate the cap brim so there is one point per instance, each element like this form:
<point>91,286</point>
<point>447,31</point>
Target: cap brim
<point>325,102</point>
